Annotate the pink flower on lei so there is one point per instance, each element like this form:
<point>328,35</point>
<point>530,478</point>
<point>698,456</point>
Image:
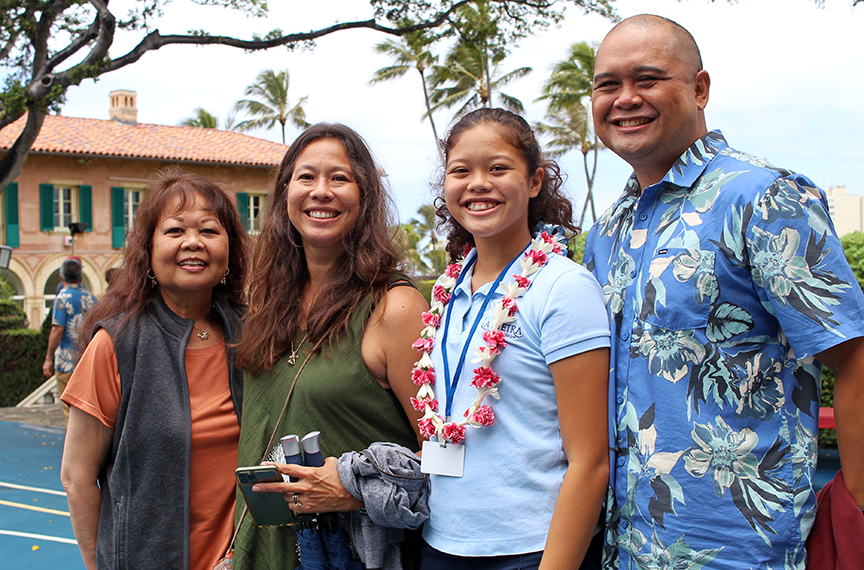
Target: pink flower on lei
<point>484,377</point>
<point>431,319</point>
<point>537,256</point>
<point>547,237</point>
<point>427,427</point>
<point>522,281</point>
<point>420,404</point>
<point>483,416</point>
<point>495,340</point>
<point>424,344</point>
<point>453,270</point>
<point>420,376</point>
<point>440,294</point>
<point>453,432</point>
<point>510,305</point>
<point>466,249</point>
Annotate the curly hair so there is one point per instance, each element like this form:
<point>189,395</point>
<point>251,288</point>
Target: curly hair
<point>550,205</point>
<point>280,272</point>
<point>130,292</point>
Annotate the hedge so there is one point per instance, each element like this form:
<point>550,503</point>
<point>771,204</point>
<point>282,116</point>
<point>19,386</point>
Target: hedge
<point>22,352</point>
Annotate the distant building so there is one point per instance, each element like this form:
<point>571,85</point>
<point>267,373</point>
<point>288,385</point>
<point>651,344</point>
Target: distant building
<point>96,171</point>
<point>847,210</point>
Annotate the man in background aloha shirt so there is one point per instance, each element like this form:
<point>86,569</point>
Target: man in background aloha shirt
<point>68,312</point>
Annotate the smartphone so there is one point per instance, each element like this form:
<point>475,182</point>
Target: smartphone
<point>267,509</point>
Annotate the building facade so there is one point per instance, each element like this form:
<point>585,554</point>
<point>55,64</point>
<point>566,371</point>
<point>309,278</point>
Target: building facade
<point>847,210</point>
<point>95,172</point>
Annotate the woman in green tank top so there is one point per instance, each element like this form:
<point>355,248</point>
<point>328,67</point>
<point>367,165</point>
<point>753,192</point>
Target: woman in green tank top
<point>325,286</point>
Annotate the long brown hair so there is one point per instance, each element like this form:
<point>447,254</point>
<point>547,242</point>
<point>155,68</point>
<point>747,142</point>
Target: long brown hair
<point>280,272</point>
<point>130,291</point>
<point>550,205</point>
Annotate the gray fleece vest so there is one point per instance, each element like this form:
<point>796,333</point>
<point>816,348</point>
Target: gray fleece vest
<point>144,520</point>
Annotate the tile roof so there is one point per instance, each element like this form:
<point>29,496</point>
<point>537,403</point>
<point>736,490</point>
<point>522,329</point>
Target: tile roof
<point>96,137</point>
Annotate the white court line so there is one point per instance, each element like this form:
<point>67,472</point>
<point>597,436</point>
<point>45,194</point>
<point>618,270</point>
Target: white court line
<point>36,489</point>
<point>39,536</point>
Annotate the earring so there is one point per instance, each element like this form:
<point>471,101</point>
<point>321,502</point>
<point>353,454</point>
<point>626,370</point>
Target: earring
<point>152,278</point>
<point>225,281</point>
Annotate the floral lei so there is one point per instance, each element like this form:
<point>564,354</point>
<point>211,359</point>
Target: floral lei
<point>485,379</point>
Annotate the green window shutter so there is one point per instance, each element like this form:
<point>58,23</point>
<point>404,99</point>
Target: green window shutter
<point>46,207</point>
<point>85,206</point>
<point>118,218</point>
<point>12,215</point>
<point>243,209</point>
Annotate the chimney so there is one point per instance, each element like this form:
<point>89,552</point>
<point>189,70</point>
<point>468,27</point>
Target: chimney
<point>124,107</point>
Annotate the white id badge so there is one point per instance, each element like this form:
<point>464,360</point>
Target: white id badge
<point>437,460</point>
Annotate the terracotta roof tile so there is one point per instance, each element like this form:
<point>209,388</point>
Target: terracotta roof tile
<point>112,138</point>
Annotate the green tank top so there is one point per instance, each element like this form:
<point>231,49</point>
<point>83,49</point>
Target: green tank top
<point>336,395</point>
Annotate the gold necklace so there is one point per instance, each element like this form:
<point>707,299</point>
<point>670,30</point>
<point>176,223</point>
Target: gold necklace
<point>204,334</point>
<point>292,358</point>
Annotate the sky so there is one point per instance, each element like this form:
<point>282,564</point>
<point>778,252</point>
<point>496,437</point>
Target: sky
<point>786,83</point>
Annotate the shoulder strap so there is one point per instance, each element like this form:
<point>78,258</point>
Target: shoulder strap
<point>401,283</point>
<point>272,437</point>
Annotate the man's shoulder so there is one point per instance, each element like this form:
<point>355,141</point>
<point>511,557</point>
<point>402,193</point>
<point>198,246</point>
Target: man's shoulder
<point>750,162</point>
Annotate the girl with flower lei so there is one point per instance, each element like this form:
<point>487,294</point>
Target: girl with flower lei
<point>530,409</point>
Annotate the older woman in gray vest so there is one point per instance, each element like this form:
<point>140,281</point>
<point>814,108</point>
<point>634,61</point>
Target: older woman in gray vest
<point>155,399</point>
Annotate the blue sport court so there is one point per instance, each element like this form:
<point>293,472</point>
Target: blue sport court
<point>35,529</point>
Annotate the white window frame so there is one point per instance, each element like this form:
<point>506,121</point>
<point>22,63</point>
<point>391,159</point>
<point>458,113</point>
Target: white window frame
<point>59,200</point>
<point>130,208</point>
<point>257,204</point>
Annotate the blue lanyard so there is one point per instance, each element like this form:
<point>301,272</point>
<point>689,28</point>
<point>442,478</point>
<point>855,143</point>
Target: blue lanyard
<point>451,386</point>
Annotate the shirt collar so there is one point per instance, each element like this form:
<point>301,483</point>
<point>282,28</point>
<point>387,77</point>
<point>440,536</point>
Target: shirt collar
<point>464,287</point>
<point>689,165</point>
<point>695,159</point>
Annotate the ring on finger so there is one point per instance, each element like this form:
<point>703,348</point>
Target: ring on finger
<point>295,498</point>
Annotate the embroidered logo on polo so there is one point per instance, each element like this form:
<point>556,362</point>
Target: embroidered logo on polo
<point>509,330</point>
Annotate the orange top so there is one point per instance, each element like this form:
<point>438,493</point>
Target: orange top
<point>95,389</point>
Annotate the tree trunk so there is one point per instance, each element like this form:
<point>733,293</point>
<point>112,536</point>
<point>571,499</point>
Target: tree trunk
<point>429,114</point>
<point>13,162</point>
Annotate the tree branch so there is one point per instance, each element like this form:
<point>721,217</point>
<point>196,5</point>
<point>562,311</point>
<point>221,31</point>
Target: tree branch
<point>104,23</point>
<point>155,40</point>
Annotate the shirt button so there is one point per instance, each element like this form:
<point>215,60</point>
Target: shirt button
<point>624,336</point>
<point>633,273</point>
<point>624,525</point>
<point>620,399</point>
<point>621,462</point>
<point>643,216</point>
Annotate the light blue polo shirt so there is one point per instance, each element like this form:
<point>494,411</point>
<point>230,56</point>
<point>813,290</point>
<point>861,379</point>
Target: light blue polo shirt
<point>513,469</point>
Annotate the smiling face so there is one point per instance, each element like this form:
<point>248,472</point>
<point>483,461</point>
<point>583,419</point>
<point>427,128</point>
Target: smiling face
<point>323,197</point>
<point>189,254</point>
<point>487,187</point>
<point>648,98</point>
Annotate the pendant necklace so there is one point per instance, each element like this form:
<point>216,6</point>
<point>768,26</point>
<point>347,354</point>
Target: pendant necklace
<point>204,334</point>
<point>292,358</point>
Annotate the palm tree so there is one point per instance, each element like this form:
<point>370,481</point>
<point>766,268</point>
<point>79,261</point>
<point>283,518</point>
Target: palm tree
<point>425,226</point>
<point>270,104</point>
<point>202,119</point>
<point>568,92</point>
<point>410,51</point>
<point>471,77</point>
<point>572,79</point>
<point>570,129</point>
<point>410,239</point>
<point>471,70</point>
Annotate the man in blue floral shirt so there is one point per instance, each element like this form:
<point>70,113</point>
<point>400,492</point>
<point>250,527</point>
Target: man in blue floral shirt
<point>726,288</point>
<point>68,312</point>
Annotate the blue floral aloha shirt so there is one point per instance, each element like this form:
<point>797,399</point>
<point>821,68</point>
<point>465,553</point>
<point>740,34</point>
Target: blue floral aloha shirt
<point>68,312</point>
<point>722,282</point>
